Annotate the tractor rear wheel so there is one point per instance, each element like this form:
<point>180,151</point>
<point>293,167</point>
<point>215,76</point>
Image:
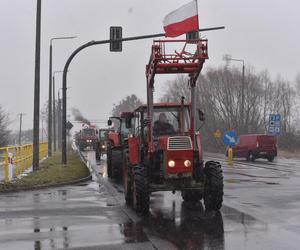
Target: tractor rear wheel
<point>141,194</point>
<point>127,179</point>
<point>116,163</point>
<point>191,196</point>
<point>108,161</point>
<point>213,187</point>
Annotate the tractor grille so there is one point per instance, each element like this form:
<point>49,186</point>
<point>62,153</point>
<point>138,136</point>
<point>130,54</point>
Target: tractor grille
<point>179,143</point>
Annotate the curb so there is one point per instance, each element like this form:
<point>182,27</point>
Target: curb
<point>84,179</point>
<point>88,178</point>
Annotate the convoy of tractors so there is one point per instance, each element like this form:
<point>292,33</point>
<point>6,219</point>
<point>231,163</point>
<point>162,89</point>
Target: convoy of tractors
<point>158,147</point>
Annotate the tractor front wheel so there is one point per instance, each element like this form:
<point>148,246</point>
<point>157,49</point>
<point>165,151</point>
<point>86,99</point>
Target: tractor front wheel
<point>213,188</point>
<point>141,194</point>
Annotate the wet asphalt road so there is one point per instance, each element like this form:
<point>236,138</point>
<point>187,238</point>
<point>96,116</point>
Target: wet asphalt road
<point>261,211</point>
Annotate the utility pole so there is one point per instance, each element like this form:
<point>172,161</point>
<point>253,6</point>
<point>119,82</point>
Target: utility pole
<point>36,112</point>
<point>50,95</point>
<point>59,122</point>
<point>54,116</point>
<point>50,103</point>
<point>20,130</point>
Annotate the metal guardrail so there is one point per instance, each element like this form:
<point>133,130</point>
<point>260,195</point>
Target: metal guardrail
<point>14,160</point>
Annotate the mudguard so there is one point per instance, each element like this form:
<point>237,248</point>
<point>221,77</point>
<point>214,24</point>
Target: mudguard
<point>134,153</point>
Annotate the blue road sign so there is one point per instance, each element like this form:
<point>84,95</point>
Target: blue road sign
<point>230,138</point>
<point>274,127</point>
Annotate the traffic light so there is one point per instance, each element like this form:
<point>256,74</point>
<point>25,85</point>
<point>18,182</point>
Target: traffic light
<point>115,33</point>
<point>192,35</point>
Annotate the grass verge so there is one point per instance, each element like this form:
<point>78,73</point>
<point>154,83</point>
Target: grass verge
<point>51,172</point>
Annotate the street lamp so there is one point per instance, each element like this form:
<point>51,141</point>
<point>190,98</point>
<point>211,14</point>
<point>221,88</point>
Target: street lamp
<point>54,110</point>
<point>229,58</point>
<point>50,92</point>
<point>59,119</point>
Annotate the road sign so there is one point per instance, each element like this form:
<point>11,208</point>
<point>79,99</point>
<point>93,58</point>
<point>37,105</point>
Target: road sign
<point>69,125</point>
<point>230,138</point>
<point>217,133</point>
<point>274,127</point>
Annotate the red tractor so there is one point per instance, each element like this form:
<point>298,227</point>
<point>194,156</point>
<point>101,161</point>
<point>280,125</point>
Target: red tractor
<point>164,151</point>
<point>87,138</point>
<point>102,142</point>
<point>116,143</point>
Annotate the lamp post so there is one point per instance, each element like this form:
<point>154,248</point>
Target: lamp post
<point>36,112</point>
<point>50,91</point>
<point>54,110</point>
<point>229,58</point>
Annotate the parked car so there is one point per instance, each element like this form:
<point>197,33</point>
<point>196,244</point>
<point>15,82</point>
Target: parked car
<point>256,146</point>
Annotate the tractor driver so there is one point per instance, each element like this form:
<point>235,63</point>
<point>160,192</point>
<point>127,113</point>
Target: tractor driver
<point>162,126</point>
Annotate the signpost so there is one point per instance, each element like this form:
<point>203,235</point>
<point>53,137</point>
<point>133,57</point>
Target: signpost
<point>230,139</point>
<point>217,134</point>
<point>274,126</point>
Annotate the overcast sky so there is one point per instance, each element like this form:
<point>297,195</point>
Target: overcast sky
<point>263,33</point>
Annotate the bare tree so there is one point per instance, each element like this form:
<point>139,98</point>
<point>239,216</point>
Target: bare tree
<point>220,97</point>
<point>4,131</point>
<point>129,103</point>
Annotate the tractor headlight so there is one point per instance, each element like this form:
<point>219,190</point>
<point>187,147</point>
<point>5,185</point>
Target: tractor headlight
<point>171,164</point>
<point>187,163</point>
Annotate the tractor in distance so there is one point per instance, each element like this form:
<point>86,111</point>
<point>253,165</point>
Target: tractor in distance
<point>102,142</point>
<point>117,141</point>
<point>87,138</point>
<point>164,150</point>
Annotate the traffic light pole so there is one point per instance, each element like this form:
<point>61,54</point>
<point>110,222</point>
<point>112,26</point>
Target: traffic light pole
<point>64,88</point>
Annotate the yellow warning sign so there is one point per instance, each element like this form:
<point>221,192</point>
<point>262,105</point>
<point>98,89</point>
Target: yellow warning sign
<point>217,133</point>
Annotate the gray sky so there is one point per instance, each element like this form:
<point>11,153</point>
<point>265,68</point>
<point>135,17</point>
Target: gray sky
<point>264,33</point>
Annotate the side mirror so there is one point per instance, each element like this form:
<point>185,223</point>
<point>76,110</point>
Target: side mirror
<point>128,122</point>
<point>109,123</point>
<point>201,115</point>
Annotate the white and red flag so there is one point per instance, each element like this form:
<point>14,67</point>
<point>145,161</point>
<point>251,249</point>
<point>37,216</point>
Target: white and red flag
<point>182,20</point>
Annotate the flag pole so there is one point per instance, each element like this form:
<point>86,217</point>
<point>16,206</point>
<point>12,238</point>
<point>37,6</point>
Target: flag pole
<point>198,36</point>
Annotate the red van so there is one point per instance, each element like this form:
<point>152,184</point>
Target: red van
<point>256,146</point>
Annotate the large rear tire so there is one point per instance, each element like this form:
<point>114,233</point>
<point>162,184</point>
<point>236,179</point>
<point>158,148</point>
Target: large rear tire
<point>127,179</point>
<point>141,194</point>
<point>213,187</point>
<point>116,163</point>
<point>108,161</point>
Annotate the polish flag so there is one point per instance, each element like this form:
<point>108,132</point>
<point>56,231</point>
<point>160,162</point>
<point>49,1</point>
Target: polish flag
<point>182,20</point>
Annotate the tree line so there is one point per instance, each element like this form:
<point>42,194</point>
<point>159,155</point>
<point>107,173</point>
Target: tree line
<point>219,96</point>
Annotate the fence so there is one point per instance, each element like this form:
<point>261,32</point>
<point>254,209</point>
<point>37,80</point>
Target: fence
<point>14,160</point>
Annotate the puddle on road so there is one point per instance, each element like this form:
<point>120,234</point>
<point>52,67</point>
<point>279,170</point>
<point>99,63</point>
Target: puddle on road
<point>187,226</point>
<point>62,233</point>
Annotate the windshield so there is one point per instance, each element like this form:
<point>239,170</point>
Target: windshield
<point>103,134</point>
<point>89,131</point>
<point>116,126</point>
<point>170,120</point>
